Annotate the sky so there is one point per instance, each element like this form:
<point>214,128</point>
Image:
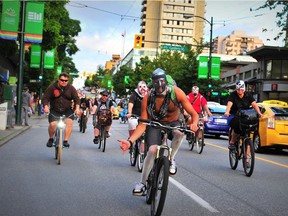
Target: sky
<point>104,23</point>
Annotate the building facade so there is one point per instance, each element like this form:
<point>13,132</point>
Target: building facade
<point>163,22</point>
<point>237,43</point>
<point>266,79</point>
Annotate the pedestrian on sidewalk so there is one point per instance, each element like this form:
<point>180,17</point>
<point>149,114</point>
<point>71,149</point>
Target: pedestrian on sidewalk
<point>26,105</point>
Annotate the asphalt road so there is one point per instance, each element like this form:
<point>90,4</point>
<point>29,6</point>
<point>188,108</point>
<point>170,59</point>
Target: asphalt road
<point>90,182</point>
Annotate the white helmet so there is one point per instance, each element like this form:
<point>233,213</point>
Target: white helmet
<point>240,84</point>
<point>195,89</point>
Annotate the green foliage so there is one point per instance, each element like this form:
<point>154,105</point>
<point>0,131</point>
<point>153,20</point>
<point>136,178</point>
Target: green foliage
<point>282,17</point>
<point>118,80</point>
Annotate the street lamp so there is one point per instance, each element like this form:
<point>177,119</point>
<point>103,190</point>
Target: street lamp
<point>186,16</point>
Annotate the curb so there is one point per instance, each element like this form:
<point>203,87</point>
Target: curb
<point>13,135</point>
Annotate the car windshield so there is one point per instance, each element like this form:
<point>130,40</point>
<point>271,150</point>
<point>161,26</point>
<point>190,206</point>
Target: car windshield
<point>217,109</point>
<point>280,110</point>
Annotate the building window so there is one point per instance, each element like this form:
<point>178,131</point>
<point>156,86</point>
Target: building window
<point>268,69</point>
<point>248,74</point>
<point>276,69</point>
<point>284,69</point>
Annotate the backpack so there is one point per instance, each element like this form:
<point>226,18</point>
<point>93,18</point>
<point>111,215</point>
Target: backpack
<point>171,83</point>
<point>104,117</point>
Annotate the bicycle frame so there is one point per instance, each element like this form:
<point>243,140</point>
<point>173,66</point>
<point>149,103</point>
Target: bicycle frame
<point>157,182</point>
<point>59,137</point>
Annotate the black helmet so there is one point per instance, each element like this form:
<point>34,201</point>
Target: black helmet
<point>159,80</point>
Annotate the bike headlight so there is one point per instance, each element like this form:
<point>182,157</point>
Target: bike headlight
<point>61,124</point>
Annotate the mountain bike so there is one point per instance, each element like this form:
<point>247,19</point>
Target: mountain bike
<point>244,147</point>
<point>137,151</point>
<point>82,122</point>
<point>157,182</point>
<point>59,137</point>
<point>198,139</point>
<point>104,118</point>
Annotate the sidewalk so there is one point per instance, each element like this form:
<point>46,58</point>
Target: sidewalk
<point>10,133</point>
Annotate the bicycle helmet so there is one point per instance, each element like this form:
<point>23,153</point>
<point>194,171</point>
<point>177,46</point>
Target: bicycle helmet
<point>195,90</point>
<point>240,84</point>
<point>159,80</point>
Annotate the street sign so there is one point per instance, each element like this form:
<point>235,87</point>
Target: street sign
<point>100,77</point>
<point>177,48</point>
<point>33,81</point>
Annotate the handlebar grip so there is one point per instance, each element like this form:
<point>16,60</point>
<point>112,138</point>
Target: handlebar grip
<point>143,120</point>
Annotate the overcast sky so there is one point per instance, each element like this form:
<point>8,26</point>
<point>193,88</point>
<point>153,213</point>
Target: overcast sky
<point>103,24</point>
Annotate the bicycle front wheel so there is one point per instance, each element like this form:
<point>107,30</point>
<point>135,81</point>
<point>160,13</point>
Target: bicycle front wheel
<point>200,141</point>
<point>60,147</point>
<point>103,137</point>
<point>100,137</point>
<point>161,186</point>
<point>133,153</point>
<point>83,123</point>
<point>248,157</point>
<point>233,158</point>
<point>141,155</point>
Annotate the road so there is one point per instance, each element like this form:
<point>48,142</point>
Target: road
<point>90,182</point>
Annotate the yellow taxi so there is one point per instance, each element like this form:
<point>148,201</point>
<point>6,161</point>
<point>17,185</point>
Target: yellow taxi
<point>273,127</point>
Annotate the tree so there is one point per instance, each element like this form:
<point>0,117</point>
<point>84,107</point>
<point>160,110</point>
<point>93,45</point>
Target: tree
<point>282,16</point>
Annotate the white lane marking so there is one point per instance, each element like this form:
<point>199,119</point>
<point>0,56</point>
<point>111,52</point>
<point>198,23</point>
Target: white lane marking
<point>193,196</point>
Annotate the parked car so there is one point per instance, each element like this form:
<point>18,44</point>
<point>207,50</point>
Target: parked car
<point>218,124</point>
<point>273,127</point>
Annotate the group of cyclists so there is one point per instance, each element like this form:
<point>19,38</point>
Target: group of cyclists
<point>163,102</point>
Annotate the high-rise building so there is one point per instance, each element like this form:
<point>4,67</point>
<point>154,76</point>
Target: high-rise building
<point>237,43</point>
<point>165,22</point>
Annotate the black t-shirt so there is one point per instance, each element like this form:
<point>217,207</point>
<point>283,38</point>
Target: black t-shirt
<point>136,100</point>
<point>240,103</point>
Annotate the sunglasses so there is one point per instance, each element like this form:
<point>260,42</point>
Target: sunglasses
<point>63,80</point>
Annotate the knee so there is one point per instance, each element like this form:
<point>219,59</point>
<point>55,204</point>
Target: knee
<point>153,149</point>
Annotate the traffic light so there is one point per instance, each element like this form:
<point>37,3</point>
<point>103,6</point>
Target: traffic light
<point>209,85</point>
<point>274,87</point>
<point>137,41</point>
<point>40,77</point>
<point>109,83</point>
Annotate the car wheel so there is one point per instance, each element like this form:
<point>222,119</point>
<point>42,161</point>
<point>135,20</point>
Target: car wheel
<point>257,143</point>
<point>217,136</point>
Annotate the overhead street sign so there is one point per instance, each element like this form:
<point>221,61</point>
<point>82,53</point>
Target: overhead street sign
<point>177,48</point>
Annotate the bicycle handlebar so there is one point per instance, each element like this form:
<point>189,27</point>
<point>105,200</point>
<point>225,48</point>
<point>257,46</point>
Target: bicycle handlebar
<point>157,124</point>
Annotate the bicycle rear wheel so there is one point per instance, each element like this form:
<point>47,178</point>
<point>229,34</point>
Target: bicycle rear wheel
<point>248,160</point>
<point>161,186</point>
<point>200,141</point>
<point>103,138</point>
<point>133,153</point>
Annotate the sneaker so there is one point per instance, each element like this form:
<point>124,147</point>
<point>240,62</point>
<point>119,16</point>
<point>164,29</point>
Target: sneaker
<point>66,144</point>
<point>49,143</point>
<point>139,189</point>
<point>231,147</point>
<point>95,140</point>
<point>173,168</point>
<point>107,134</point>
